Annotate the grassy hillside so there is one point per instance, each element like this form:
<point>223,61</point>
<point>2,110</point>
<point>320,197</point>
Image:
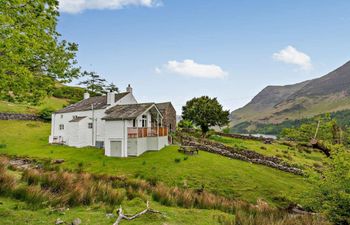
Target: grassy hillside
<point>241,179</point>
<point>301,158</point>
<point>50,102</point>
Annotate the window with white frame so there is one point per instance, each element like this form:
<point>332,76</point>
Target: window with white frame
<point>61,126</point>
<point>90,125</point>
<point>61,116</point>
<point>134,122</point>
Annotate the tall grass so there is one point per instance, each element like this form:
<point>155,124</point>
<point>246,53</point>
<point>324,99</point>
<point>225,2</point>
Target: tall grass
<point>41,188</point>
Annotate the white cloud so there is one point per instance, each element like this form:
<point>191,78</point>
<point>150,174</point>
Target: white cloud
<point>76,6</point>
<point>291,55</point>
<point>192,69</point>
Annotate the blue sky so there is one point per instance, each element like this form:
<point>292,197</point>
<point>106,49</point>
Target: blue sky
<point>173,50</point>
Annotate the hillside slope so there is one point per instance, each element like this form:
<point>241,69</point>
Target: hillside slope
<point>276,104</point>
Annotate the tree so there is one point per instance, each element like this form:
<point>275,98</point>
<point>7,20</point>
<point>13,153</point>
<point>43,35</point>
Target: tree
<point>330,191</point>
<point>32,55</point>
<point>94,83</point>
<point>112,88</point>
<point>205,112</point>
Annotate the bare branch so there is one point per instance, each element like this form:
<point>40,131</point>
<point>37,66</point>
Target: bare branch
<point>122,216</point>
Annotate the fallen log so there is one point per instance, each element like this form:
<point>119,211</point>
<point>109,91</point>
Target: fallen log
<point>122,216</point>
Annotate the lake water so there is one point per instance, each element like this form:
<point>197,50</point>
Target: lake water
<point>262,135</point>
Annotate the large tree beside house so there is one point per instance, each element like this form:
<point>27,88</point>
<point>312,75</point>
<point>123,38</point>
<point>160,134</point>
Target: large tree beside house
<point>205,112</point>
<point>33,56</point>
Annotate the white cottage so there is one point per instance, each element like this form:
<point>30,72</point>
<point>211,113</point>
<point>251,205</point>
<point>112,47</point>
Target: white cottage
<point>115,122</point>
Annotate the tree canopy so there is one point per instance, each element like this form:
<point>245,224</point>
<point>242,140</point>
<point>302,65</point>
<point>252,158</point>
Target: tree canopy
<point>32,54</point>
<point>205,112</point>
<point>93,83</point>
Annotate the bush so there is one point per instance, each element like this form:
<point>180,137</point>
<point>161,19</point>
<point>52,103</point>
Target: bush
<point>75,94</point>
<point>330,192</point>
<point>177,160</point>
<point>46,113</point>
<point>3,145</point>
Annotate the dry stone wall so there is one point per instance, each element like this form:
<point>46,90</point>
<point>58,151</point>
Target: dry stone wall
<point>18,116</point>
<point>234,153</point>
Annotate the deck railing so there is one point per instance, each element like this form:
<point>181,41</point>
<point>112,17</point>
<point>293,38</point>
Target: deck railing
<point>134,132</point>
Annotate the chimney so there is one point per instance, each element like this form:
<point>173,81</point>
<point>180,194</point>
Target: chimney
<point>110,98</point>
<point>86,95</point>
<point>129,89</point>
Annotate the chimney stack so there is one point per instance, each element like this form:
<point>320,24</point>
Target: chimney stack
<point>111,98</point>
<point>86,95</point>
<point>129,89</point>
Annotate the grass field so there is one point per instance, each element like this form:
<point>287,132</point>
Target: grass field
<point>17,212</point>
<point>52,103</point>
<point>220,175</point>
<point>289,154</point>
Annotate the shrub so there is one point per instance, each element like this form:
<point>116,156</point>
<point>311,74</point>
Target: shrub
<point>177,160</point>
<point>46,113</point>
<point>3,145</point>
<point>330,191</point>
<point>185,158</point>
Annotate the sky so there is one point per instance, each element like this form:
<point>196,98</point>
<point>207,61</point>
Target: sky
<point>174,50</point>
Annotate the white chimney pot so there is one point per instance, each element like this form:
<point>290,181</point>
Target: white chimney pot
<point>86,95</point>
<point>129,89</point>
<point>110,98</point>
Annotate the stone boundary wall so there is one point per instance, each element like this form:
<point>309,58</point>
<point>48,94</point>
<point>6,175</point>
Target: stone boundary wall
<point>19,116</point>
<point>234,153</point>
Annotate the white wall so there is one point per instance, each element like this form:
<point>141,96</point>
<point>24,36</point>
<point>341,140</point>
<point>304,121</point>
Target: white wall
<point>70,128</point>
<point>127,99</point>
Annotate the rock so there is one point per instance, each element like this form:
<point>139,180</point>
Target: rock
<point>76,221</point>
<point>59,221</point>
<point>110,215</point>
<point>58,161</point>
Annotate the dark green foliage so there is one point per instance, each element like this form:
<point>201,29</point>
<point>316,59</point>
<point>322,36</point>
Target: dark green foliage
<point>32,54</point>
<point>185,124</point>
<point>205,112</point>
<point>3,145</point>
<point>342,118</point>
<point>94,83</point>
<point>74,94</point>
<point>46,113</point>
<point>111,88</point>
<point>177,160</point>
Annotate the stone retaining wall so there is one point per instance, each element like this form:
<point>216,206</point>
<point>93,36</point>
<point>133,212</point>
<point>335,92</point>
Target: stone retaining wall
<point>18,116</point>
<point>235,153</point>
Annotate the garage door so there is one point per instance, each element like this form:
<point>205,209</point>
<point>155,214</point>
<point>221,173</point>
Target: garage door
<point>116,148</point>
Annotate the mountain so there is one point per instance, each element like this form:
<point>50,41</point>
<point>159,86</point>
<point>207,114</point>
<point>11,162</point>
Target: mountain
<point>275,104</point>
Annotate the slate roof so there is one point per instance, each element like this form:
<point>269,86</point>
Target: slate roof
<point>99,102</point>
<point>77,119</point>
<point>130,111</point>
<point>162,106</point>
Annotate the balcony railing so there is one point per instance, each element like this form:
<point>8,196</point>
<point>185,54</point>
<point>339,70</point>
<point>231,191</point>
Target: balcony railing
<point>134,132</point>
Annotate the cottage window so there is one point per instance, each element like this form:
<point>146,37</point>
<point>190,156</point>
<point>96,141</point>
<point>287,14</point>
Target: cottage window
<point>75,116</point>
<point>90,125</point>
<point>144,121</point>
<point>61,116</point>
<point>134,123</point>
<point>61,127</point>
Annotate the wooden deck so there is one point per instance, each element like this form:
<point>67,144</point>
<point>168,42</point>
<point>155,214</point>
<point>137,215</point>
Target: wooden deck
<point>134,132</point>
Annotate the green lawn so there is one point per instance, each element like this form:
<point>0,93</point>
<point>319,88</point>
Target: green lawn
<point>52,103</point>
<point>18,213</point>
<point>231,178</point>
<point>289,154</point>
